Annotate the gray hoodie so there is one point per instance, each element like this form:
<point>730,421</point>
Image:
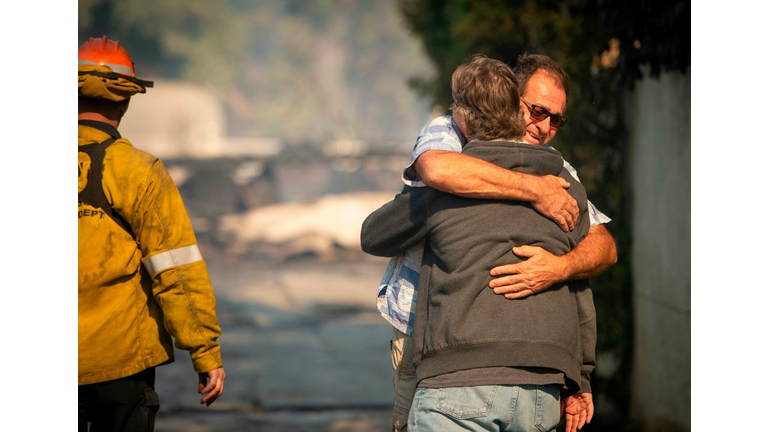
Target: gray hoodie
<point>460,323</point>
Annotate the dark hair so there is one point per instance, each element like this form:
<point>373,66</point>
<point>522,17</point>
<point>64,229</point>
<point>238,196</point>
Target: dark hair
<point>486,93</point>
<point>529,64</point>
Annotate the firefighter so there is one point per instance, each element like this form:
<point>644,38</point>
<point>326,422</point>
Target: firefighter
<point>142,282</point>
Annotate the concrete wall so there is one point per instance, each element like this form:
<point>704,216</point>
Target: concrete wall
<point>659,114</point>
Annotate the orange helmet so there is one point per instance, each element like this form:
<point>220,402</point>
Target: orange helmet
<point>109,53</point>
<point>106,52</point>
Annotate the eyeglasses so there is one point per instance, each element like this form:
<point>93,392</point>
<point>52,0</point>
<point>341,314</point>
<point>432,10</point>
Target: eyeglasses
<point>540,114</point>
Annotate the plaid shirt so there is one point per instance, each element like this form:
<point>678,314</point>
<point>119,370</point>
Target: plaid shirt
<point>396,298</point>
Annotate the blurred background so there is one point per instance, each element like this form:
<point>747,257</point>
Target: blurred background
<point>285,123</point>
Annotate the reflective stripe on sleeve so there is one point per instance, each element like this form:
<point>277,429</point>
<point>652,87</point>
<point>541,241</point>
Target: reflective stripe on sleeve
<point>172,258</point>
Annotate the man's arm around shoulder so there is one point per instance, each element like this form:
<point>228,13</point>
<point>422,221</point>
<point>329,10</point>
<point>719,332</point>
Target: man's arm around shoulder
<point>470,177</point>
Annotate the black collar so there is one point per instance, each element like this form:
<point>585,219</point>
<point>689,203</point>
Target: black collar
<point>104,127</point>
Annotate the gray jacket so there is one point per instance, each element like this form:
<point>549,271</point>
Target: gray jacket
<point>460,323</point>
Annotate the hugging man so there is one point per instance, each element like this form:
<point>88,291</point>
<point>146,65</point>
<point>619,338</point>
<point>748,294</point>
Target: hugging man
<point>496,112</point>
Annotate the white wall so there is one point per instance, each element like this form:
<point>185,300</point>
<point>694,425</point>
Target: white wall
<point>659,116</point>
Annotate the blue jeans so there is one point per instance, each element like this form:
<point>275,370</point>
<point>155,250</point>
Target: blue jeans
<point>486,408</point>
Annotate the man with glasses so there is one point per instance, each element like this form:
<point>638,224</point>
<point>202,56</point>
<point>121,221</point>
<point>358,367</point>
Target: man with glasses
<point>437,162</point>
<point>480,357</point>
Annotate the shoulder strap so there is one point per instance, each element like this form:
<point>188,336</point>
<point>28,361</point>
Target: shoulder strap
<point>93,193</point>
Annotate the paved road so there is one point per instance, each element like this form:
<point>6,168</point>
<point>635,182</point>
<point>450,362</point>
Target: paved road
<point>304,349</point>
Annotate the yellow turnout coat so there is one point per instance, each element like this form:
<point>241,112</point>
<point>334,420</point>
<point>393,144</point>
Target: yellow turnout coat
<point>134,294</point>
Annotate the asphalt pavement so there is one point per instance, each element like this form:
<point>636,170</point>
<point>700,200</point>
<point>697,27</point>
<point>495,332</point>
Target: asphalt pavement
<point>304,349</point>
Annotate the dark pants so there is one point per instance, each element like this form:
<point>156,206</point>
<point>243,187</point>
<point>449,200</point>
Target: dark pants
<point>123,405</point>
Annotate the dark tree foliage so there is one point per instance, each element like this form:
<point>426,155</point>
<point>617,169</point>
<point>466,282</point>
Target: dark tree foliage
<point>602,44</point>
<point>659,33</point>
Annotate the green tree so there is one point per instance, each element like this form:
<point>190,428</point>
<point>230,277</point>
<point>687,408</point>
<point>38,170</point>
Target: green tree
<point>296,70</point>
